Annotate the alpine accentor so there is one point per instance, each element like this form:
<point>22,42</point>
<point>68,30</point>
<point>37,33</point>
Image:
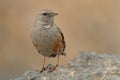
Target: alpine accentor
<point>47,37</point>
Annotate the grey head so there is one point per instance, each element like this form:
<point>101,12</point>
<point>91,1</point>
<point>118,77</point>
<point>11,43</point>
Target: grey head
<point>46,17</point>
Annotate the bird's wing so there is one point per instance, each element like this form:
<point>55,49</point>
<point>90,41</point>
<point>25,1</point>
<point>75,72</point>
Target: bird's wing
<point>59,44</point>
<point>62,39</point>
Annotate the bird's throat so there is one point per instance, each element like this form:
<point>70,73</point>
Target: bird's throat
<point>47,26</point>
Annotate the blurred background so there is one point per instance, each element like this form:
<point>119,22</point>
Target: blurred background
<point>88,25</point>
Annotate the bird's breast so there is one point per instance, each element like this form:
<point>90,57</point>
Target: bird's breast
<point>44,36</point>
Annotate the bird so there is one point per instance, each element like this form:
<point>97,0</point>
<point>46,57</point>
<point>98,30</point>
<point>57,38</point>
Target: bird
<point>47,37</point>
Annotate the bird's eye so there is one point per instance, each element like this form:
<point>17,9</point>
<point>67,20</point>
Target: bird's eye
<point>44,14</point>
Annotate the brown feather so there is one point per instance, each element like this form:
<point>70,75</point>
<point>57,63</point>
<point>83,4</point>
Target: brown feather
<point>59,44</point>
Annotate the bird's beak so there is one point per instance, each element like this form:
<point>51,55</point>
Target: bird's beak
<point>54,14</point>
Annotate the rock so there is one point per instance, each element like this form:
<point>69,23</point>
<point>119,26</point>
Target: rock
<point>86,66</point>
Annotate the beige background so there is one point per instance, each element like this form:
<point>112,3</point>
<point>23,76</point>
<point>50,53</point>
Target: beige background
<point>88,25</point>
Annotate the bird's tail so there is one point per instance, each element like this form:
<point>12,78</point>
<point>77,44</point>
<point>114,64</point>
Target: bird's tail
<point>63,53</point>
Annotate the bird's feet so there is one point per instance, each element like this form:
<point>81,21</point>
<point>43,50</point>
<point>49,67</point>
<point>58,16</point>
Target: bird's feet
<point>51,68</point>
<point>43,69</point>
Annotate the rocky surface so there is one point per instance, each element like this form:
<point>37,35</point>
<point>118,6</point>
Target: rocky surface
<point>86,66</point>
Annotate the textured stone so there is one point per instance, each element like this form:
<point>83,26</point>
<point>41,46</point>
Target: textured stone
<point>86,66</point>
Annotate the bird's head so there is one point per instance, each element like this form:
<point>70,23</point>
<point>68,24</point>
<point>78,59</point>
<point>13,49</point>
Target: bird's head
<point>46,16</point>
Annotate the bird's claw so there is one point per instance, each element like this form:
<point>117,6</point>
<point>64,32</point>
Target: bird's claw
<point>43,69</point>
<point>51,68</point>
